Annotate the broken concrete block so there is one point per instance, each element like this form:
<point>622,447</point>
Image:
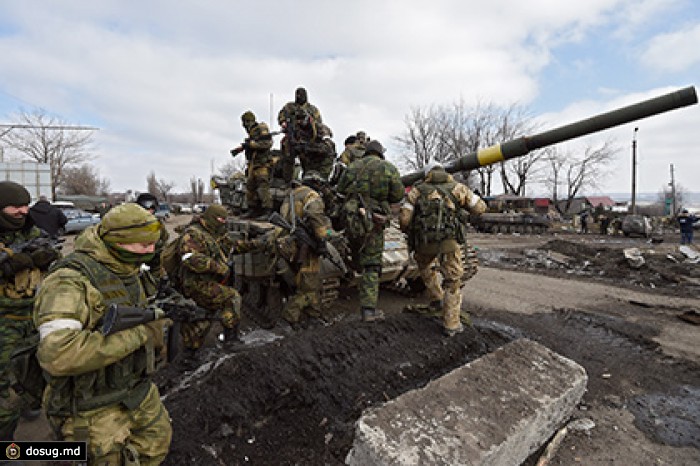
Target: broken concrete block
<point>496,410</point>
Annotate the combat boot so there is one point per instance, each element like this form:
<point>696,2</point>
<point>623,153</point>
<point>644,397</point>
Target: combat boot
<point>370,314</point>
<point>231,335</point>
<point>450,332</point>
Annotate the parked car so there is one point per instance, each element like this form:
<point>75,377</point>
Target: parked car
<point>163,211</point>
<point>78,220</point>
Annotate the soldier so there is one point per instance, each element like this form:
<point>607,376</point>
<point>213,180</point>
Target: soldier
<point>149,202</point>
<point>48,217</point>
<point>99,387</point>
<point>302,124</point>
<point>257,153</point>
<point>686,222</point>
<point>370,185</point>
<point>19,279</point>
<point>203,272</point>
<point>305,205</point>
<point>432,217</point>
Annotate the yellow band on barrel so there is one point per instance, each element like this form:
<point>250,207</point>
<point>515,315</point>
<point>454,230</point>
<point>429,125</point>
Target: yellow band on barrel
<point>489,155</point>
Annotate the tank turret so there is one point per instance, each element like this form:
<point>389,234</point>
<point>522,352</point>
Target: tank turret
<point>523,145</point>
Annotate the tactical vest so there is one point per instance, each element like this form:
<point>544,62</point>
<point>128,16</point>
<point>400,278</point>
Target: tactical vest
<point>434,221</point>
<point>126,380</point>
<point>356,225</point>
<point>17,293</point>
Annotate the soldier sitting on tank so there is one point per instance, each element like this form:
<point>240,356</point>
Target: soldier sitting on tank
<point>259,158</point>
<point>432,217</point>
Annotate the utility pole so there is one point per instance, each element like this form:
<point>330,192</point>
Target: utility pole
<point>673,193</point>
<point>634,170</point>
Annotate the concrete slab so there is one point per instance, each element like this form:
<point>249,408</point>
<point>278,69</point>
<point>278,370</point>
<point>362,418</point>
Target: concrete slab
<point>496,410</point>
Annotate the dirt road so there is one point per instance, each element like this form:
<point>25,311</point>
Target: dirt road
<point>293,399</point>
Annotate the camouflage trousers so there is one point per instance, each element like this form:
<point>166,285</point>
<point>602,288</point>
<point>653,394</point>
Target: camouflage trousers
<point>367,257</point>
<point>258,187</point>
<point>322,166</point>
<point>223,301</point>
<point>451,269</point>
<point>306,299</point>
<point>13,329</point>
<point>115,431</point>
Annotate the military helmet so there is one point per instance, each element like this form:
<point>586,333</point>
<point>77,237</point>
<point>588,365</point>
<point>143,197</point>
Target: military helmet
<point>361,136</point>
<point>248,117</point>
<point>374,147</point>
<point>129,223</point>
<point>147,201</point>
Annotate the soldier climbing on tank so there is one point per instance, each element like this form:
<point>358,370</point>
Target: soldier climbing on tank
<point>259,158</point>
<point>302,124</point>
<point>433,217</point>
<point>369,185</point>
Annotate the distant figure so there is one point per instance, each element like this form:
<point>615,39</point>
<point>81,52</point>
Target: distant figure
<point>584,222</point>
<point>604,224</point>
<point>103,208</point>
<point>48,217</point>
<point>686,221</point>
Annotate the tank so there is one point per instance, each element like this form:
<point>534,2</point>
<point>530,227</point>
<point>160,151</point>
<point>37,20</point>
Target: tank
<point>265,283</point>
<point>511,214</point>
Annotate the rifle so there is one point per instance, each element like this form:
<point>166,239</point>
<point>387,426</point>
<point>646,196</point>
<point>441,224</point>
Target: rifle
<point>42,242</point>
<point>373,218</point>
<point>120,318</point>
<point>240,148</point>
<point>300,233</point>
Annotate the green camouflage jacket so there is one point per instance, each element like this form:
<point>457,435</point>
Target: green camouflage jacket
<point>373,178</point>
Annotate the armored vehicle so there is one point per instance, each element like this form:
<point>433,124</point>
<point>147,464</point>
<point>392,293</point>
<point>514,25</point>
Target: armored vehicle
<point>265,282</point>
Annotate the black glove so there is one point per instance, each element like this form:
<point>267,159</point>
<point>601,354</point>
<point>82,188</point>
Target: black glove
<point>43,257</point>
<point>17,263</point>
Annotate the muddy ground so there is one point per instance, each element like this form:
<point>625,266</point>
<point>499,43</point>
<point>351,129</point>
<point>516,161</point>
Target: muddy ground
<point>293,398</point>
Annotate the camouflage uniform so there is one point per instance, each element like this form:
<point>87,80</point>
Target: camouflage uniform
<point>257,153</point>
<point>303,125</point>
<point>308,208</point>
<point>203,272</point>
<point>99,388</point>
<point>440,187</point>
<point>379,184</point>
<point>17,293</point>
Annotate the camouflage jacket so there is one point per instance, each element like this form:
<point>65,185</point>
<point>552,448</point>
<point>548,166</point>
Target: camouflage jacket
<point>352,153</point>
<point>258,145</point>
<point>309,207</point>
<point>203,257</point>
<point>17,291</point>
<point>376,180</point>
<point>303,120</point>
<point>67,311</point>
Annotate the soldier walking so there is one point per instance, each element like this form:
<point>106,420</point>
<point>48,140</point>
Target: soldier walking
<point>259,158</point>
<point>369,185</point>
<point>432,217</point>
<point>99,387</point>
<point>20,273</point>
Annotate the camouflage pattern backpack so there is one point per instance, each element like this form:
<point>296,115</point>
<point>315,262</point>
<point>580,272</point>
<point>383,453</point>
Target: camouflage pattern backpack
<point>433,219</point>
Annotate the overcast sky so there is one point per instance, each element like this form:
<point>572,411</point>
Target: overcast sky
<point>167,81</point>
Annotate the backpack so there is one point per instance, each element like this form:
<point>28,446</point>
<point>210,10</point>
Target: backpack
<point>26,375</point>
<point>433,221</point>
<point>171,260</point>
<point>357,226</point>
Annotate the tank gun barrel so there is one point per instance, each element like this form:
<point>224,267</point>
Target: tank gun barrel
<point>523,145</point>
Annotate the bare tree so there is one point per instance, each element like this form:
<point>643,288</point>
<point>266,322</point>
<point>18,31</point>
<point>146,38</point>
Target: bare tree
<point>421,140</point>
<point>231,167</point>
<point>164,188</point>
<point>665,198</point>
<point>152,184</point>
<point>46,139</point>
<point>84,180</point>
<point>574,173</point>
